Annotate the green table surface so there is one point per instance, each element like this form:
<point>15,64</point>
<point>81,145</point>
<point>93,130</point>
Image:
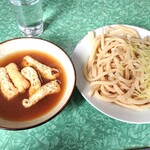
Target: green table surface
<point>79,126</point>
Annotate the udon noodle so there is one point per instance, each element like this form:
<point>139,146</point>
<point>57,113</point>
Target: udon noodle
<point>118,68</point>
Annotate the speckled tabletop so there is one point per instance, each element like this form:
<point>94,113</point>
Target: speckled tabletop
<point>79,126</point>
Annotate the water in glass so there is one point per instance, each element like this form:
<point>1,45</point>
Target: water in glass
<point>29,16</point>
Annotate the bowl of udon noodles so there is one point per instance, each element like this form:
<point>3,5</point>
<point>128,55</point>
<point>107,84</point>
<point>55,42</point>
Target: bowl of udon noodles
<point>114,67</point>
<point>37,79</point>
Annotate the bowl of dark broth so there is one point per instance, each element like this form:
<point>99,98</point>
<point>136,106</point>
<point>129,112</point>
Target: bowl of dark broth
<point>37,79</point>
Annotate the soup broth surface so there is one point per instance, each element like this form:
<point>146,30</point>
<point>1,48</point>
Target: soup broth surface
<point>13,109</point>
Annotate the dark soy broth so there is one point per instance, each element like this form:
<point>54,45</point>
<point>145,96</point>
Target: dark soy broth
<point>13,109</point>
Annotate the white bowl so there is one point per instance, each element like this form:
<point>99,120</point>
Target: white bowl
<point>19,44</point>
<point>80,56</point>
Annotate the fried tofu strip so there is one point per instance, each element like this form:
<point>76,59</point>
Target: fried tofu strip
<point>49,88</point>
<point>45,71</point>
<point>17,78</point>
<point>7,88</point>
<point>30,74</point>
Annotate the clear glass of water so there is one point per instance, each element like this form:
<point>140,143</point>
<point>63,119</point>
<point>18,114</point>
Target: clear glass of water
<point>29,15</point>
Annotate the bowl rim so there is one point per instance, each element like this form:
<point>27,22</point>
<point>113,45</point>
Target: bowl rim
<point>67,101</point>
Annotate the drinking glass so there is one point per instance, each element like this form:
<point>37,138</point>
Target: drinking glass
<point>29,16</point>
